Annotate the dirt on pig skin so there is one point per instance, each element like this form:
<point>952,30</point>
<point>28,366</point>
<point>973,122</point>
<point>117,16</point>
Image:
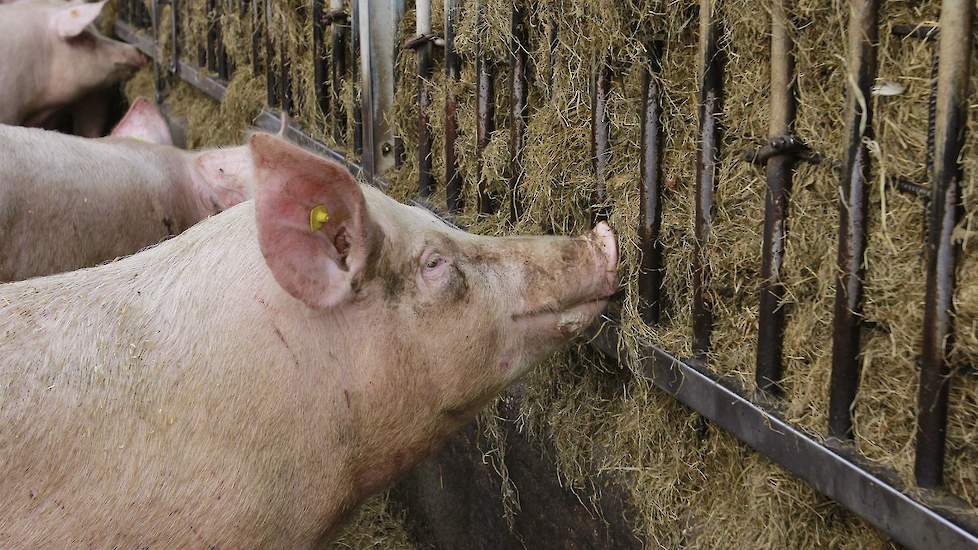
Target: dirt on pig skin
<point>250,382</point>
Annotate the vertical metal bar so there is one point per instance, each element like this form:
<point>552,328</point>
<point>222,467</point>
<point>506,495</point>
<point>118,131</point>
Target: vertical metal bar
<point>212,31</point>
<point>650,191</point>
<point>285,81</point>
<point>399,9</point>
<point>271,77</point>
<point>320,59</point>
<point>770,340</point>
<point>453,68</point>
<point>942,249</point>
<point>863,39</point>
<point>711,106</point>
<point>157,70</point>
<point>256,28</point>
<point>124,11</point>
<point>338,31</point>
<point>175,36</point>
<point>426,178</point>
<point>519,51</point>
<point>600,136</point>
<point>485,107</point>
<point>378,28</point>
<point>932,112</point>
<point>223,65</point>
<point>355,60</point>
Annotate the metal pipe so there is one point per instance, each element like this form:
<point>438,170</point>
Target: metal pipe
<point>256,26</point>
<point>212,29</point>
<point>175,36</point>
<point>847,323</point>
<point>600,137</point>
<point>355,77</point>
<point>650,191</point>
<point>378,28</point>
<point>770,331</point>
<point>426,178</point>
<point>157,70</point>
<point>485,107</point>
<point>942,249</point>
<point>338,31</point>
<point>285,81</point>
<point>453,67</point>
<point>271,84</point>
<point>711,106</point>
<point>320,58</point>
<point>520,88</point>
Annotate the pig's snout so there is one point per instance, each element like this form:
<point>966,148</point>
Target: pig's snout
<point>608,245</point>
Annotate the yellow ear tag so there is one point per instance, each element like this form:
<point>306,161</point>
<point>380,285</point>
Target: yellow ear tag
<point>317,217</point>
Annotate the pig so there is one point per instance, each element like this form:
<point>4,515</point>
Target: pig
<point>68,202</point>
<point>52,56</point>
<point>249,382</point>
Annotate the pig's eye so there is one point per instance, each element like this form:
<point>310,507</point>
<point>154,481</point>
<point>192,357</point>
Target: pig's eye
<point>434,262</point>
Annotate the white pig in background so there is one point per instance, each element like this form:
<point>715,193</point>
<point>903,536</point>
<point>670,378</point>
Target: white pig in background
<point>68,202</point>
<point>248,383</point>
<point>51,56</point>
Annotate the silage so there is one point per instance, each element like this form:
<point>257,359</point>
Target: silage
<point>692,485</point>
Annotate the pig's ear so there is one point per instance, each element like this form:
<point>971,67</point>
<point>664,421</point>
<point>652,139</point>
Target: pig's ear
<point>313,226</point>
<point>144,121</point>
<point>71,20</point>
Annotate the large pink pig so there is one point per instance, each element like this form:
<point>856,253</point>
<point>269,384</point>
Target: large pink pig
<point>68,202</point>
<point>248,383</point>
<point>52,56</point>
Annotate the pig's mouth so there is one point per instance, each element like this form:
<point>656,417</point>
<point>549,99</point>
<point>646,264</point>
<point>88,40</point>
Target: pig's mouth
<point>564,320</point>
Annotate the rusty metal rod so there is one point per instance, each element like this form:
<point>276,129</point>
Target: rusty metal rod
<point>650,191</point>
<point>485,108</point>
<point>600,136</point>
<point>920,32</point>
<point>157,69</point>
<point>271,77</point>
<point>780,168</point>
<point>355,77</point>
<point>847,323</point>
<point>320,58</point>
<point>519,52</point>
<point>711,106</point>
<point>223,63</point>
<point>942,249</point>
<point>256,26</point>
<point>174,36</point>
<point>453,69</point>
<point>426,176</point>
<point>212,30</point>
<point>338,31</point>
<point>285,81</point>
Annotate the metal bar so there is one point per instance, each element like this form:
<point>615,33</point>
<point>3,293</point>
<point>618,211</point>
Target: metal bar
<point>157,70</point>
<point>485,106</point>
<point>212,30</point>
<point>397,42</point>
<point>650,191</point>
<point>836,472</point>
<point>426,177</point>
<point>355,78</point>
<point>175,36</point>
<point>378,28</point>
<point>942,249</point>
<point>711,106</point>
<point>600,136</point>
<point>920,32</point>
<point>271,77</point>
<point>256,27</point>
<point>338,31</point>
<point>220,52</point>
<point>935,63</point>
<point>320,58</point>
<point>285,80</point>
<point>519,52</point>
<point>863,39</point>
<point>770,330</point>
<point>453,69</point>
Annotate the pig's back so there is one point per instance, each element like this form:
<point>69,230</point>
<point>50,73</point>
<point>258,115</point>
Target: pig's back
<point>68,202</point>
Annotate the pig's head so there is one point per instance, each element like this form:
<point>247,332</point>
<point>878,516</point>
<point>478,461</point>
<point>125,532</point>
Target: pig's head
<point>144,122</point>
<point>466,314</point>
<point>82,59</point>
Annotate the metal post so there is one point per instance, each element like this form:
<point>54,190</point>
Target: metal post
<point>485,107</point>
<point>320,58</point>
<point>863,38</point>
<point>212,30</point>
<point>256,25</point>
<point>157,70</point>
<point>426,179</point>
<point>355,78</point>
<point>650,191</point>
<point>600,136</point>
<point>453,68</point>
<point>338,31</point>
<point>175,36</point>
<point>770,330</point>
<point>223,68</point>
<point>942,249</point>
<point>711,106</point>
<point>378,25</point>
<point>520,69</point>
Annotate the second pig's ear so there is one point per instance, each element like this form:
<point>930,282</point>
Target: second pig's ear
<point>313,226</point>
<point>71,20</point>
<point>144,122</point>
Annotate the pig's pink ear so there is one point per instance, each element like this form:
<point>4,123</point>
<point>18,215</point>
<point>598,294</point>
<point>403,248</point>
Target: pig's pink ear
<point>144,121</point>
<point>71,20</point>
<point>313,226</point>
